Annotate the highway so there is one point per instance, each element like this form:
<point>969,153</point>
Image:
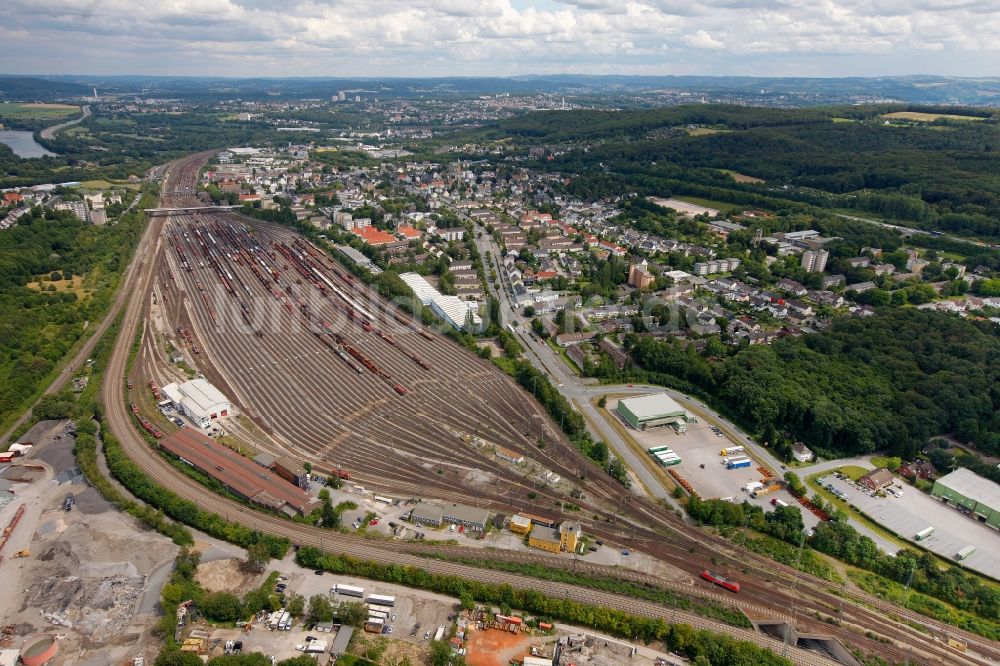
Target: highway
<point>766,583</point>
<point>50,132</point>
<point>910,231</point>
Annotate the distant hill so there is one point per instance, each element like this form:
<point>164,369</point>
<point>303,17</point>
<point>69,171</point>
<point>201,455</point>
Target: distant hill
<point>33,88</point>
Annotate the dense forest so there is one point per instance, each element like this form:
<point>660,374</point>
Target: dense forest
<point>42,311</point>
<point>891,382</point>
<point>940,175</point>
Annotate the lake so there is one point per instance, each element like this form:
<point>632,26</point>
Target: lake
<point>23,143</point>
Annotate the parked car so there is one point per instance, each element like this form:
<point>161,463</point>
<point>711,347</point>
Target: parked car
<point>427,634</point>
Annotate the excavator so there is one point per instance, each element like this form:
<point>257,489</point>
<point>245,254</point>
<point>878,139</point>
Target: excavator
<point>23,553</point>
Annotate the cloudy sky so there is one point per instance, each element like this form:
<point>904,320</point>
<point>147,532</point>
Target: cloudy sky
<point>500,37</point>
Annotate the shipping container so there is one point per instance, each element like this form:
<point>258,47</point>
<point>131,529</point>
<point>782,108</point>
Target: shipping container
<point>381,600</point>
<point>656,449</point>
<point>380,609</point>
<point>439,634</point>
<point>924,533</point>
<point>349,590</point>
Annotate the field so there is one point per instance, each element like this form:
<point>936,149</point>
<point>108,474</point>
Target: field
<point>704,131</point>
<point>11,110</point>
<point>721,206</point>
<point>96,185</point>
<point>927,117</point>
<point>853,472</point>
<point>741,177</point>
<point>73,285</point>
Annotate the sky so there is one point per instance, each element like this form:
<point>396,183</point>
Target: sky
<point>827,38</point>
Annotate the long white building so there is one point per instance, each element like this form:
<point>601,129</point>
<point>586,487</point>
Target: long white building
<point>451,309</point>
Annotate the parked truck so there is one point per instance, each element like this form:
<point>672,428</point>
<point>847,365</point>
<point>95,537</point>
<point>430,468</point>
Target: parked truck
<point>739,463</point>
<point>732,450</point>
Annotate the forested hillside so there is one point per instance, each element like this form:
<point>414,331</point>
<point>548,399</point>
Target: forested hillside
<point>887,382</point>
<point>939,175</point>
<point>43,310</point>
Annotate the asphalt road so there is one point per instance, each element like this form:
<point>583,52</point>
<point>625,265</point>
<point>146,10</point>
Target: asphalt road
<point>50,132</point>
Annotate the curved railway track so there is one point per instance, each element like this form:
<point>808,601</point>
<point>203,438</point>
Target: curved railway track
<point>305,368</point>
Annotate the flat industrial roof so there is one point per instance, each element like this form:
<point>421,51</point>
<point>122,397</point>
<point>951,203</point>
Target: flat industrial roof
<point>203,394</point>
<point>652,406</point>
<point>467,513</point>
<point>420,286</point>
<point>971,485</point>
<point>241,474</point>
<point>456,310</point>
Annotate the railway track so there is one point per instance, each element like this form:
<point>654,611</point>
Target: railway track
<point>303,367</point>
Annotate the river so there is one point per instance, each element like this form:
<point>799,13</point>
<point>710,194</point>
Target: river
<point>23,143</point>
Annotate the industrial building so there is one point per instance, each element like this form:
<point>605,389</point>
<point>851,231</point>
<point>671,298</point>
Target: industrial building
<point>239,475</point>
<point>565,539</point>
<point>509,456</point>
<point>434,515</point>
<point>457,313</point>
<point>198,400</point>
<point>427,514</point>
<point>966,489</point>
<point>471,517</point>
<point>520,524</point>
<point>653,411</point>
<point>291,471</point>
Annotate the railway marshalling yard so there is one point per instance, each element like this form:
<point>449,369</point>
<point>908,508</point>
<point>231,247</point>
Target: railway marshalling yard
<point>324,371</point>
<point>330,373</point>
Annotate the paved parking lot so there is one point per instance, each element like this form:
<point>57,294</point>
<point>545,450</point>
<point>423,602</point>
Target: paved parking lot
<point>701,463</point>
<point>914,511</point>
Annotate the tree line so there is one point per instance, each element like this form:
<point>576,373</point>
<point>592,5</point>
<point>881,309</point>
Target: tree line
<point>703,647</point>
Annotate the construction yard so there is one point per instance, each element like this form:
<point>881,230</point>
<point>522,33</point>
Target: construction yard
<point>86,574</point>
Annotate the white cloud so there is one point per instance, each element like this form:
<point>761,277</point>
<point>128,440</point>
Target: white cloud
<point>499,37</point>
<point>702,40</point>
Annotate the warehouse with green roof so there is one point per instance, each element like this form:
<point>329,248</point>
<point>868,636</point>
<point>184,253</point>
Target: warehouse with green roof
<point>966,489</point>
<point>653,411</point>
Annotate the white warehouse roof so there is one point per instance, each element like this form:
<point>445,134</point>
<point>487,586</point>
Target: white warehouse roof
<point>202,394</point>
<point>653,406</point>
<point>969,484</point>
<point>450,308</point>
<point>456,311</point>
<point>421,287</point>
